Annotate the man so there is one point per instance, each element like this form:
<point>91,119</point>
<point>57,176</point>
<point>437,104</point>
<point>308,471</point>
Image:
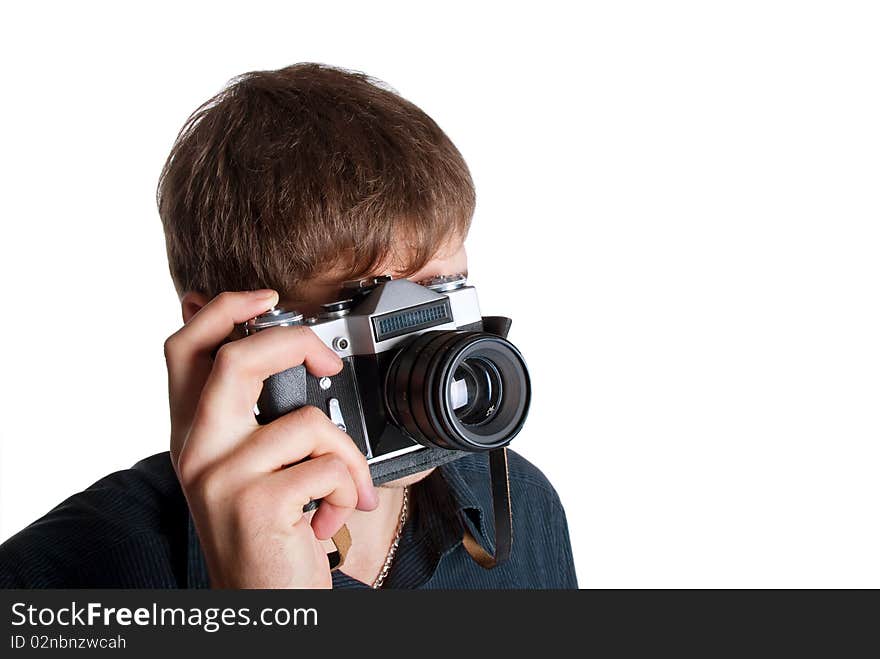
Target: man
<point>280,188</point>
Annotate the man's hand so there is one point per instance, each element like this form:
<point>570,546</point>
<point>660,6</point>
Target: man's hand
<point>245,499</point>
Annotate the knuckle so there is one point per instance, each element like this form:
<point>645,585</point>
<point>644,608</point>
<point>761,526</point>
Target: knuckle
<point>293,334</point>
<point>312,415</point>
<point>360,460</point>
<point>225,298</point>
<point>350,450</point>
<point>170,346</point>
<point>210,484</point>
<point>337,467</point>
<point>228,358</point>
<point>187,468</point>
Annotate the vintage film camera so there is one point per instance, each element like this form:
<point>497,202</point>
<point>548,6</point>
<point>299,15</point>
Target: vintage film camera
<point>426,378</point>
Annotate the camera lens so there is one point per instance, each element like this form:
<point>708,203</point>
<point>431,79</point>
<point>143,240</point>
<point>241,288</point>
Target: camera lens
<point>476,391</point>
<point>459,390</point>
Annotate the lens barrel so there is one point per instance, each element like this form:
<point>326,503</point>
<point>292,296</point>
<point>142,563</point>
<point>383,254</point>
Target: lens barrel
<point>461,390</point>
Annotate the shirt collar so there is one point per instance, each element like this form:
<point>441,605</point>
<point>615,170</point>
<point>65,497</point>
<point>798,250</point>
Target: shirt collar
<point>446,502</point>
<point>452,503</point>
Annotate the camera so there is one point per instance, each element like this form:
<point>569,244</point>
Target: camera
<point>425,379</point>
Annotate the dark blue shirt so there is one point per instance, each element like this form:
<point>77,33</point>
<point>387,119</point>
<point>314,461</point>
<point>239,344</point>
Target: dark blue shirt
<point>132,529</point>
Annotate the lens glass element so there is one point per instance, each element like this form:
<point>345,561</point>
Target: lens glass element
<point>477,391</point>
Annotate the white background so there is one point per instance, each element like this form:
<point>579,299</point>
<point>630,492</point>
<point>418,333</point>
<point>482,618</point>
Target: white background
<point>678,205</point>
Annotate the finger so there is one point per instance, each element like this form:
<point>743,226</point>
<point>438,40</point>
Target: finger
<point>328,519</point>
<point>240,367</point>
<point>306,433</point>
<point>216,320</point>
<point>325,477</point>
<point>187,351</point>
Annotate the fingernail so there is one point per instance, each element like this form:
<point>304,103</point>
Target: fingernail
<point>267,296</point>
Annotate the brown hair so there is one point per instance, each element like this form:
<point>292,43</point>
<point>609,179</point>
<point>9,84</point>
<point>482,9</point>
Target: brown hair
<point>289,174</point>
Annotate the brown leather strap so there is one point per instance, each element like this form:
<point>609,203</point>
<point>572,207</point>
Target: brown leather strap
<point>342,541</point>
<point>502,513</point>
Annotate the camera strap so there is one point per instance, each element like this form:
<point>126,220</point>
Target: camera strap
<point>501,510</point>
<point>502,513</point>
<point>342,541</point>
<point>500,478</point>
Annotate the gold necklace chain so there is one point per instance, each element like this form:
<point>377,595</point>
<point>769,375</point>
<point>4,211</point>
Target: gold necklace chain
<point>389,558</point>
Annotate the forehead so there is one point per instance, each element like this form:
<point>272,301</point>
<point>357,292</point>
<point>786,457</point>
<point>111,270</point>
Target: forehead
<point>451,259</point>
<point>446,262</point>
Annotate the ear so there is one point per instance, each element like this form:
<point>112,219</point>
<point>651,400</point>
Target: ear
<point>190,304</point>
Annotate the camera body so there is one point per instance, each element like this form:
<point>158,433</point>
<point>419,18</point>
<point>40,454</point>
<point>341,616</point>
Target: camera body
<point>425,378</point>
